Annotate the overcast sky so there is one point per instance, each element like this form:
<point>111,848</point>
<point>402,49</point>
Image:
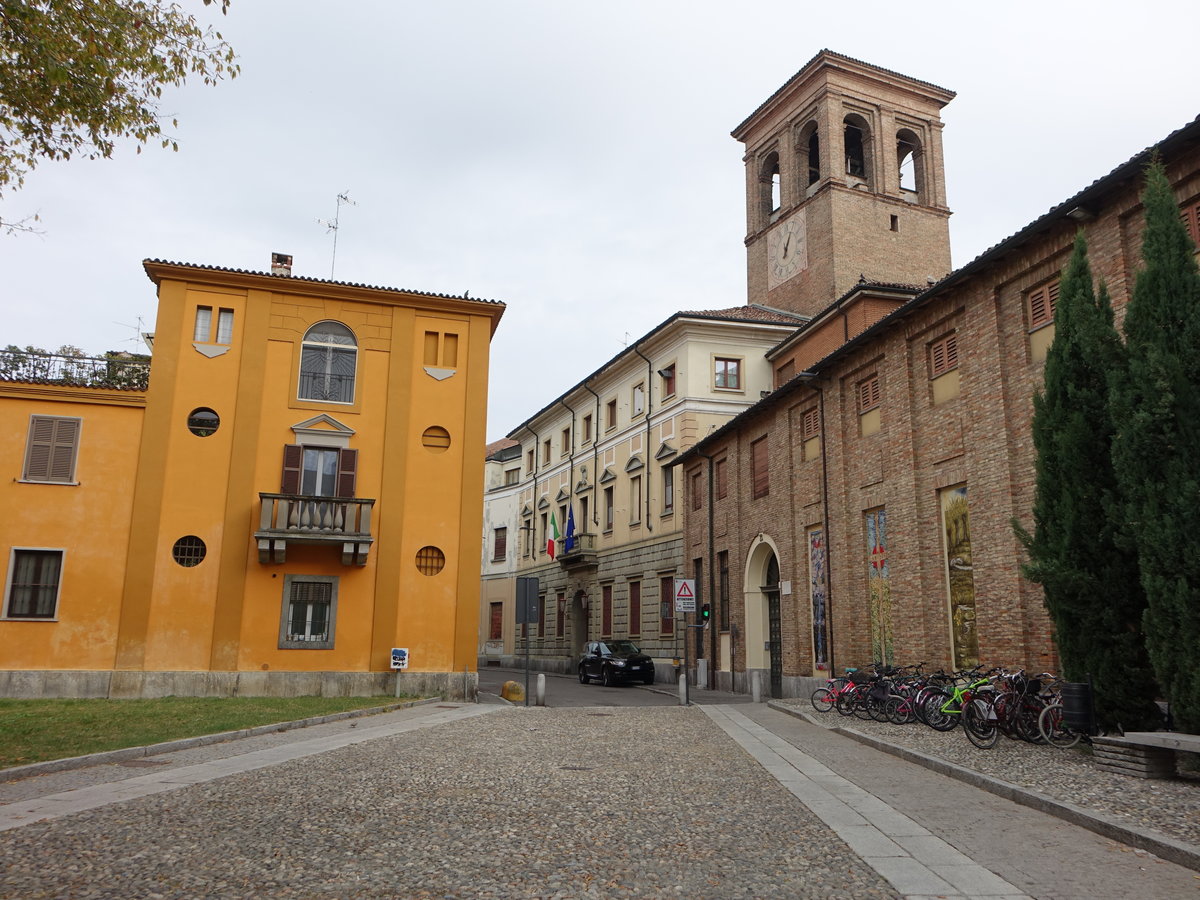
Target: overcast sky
<point>570,159</point>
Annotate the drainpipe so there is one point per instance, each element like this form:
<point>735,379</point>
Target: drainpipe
<point>537,465</point>
<point>649,406</point>
<point>712,580</point>
<point>595,455</point>
<point>570,465</point>
<point>825,524</point>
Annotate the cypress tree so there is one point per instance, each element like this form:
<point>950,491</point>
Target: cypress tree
<point>1089,574</point>
<point>1156,449</point>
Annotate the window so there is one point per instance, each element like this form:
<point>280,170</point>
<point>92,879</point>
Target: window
<point>638,399</point>
<point>512,476</point>
<point>1191,220</point>
<point>608,509</point>
<point>203,421</point>
<point>189,551</point>
<point>583,515</point>
<point>666,605</point>
<point>51,449</point>
<point>610,415</point>
<point>635,608</point>
<point>34,578</point>
<point>309,612</point>
<point>668,489</point>
<point>760,477</point>
<point>856,160</point>
<point>635,499</point>
<point>908,152</point>
<point>542,616</point>
<point>319,471</point>
<point>1042,303</point>
<point>943,355</point>
<point>499,543</point>
<point>668,380</point>
<point>441,350</point>
<point>328,359</point>
<point>606,611</point>
<point>529,460</point>
<point>203,333</point>
<point>545,451</point>
<point>528,536</point>
<point>560,621</point>
<point>543,546</point>
<point>810,432</point>
<point>566,441</point>
<point>587,428</point>
<point>430,560</point>
<point>868,394</point>
<point>723,590</point>
<point>496,627</point>
<point>697,493</point>
<point>769,186</point>
<point>727,373</point>
<point>809,147</point>
<point>721,476</point>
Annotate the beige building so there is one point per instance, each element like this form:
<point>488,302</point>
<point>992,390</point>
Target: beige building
<point>595,467</point>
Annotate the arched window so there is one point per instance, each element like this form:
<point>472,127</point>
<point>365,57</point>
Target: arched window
<point>808,146</point>
<point>857,144</point>
<point>328,359</point>
<point>769,184</point>
<point>909,163</point>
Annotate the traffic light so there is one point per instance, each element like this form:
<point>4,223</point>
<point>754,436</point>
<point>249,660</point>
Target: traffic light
<point>705,613</point>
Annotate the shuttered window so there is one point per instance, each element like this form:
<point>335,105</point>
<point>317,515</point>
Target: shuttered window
<point>309,612</point>
<point>635,608</point>
<point>606,611</point>
<point>759,473</point>
<point>810,424</point>
<point>869,394</point>
<point>1191,220</point>
<point>52,449</point>
<point>666,605</point>
<point>1041,305</point>
<point>943,355</point>
<point>319,471</point>
<point>722,478</point>
<point>500,547</point>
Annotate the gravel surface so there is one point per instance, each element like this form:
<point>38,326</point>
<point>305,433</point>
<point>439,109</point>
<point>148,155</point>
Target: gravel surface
<point>1171,808</point>
<point>552,803</point>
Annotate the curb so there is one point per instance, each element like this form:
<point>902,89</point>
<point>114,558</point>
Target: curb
<point>1159,844</point>
<point>16,773</point>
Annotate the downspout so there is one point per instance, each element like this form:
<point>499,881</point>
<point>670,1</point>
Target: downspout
<point>825,525</point>
<point>595,455</point>
<point>649,406</point>
<point>712,581</point>
<point>570,465</point>
<point>537,465</point>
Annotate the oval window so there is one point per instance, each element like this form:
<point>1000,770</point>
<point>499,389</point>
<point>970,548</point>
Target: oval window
<point>435,438</point>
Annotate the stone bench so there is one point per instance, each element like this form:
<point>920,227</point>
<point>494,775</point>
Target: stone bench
<point>1143,754</point>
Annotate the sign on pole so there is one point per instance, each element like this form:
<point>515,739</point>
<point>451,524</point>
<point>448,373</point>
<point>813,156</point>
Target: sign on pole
<point>527,601</point>
<point>685,595</point>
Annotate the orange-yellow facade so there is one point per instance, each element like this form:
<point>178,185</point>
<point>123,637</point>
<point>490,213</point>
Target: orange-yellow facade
<point>374,400</point>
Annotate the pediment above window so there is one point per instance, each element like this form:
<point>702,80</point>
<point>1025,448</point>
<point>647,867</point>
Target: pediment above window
<point>562,495</point>
<point>526,511</point>
<point>607,476</point>
<point>322,431</point>
<point>543,503</point>
<point>665,451</point>
<point>635,463</point>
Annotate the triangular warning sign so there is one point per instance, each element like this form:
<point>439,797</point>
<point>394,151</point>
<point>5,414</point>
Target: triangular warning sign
<point>684,592</point>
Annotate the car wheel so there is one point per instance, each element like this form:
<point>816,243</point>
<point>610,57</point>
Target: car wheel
<point>583,678</point>
<point>606,677</point>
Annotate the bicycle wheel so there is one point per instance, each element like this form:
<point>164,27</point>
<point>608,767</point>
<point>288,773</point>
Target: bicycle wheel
<point>1028,713</point>
<point>1054,730</point>
<point>936,710</point>
<point>877,708</point>
<point>980,727</point>
<point>899,710</point>
<point>822,699</point>
<point>845,702</point>
<point>862,701</point>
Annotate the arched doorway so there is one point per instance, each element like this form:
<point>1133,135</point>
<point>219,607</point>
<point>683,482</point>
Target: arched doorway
<point>764,622</point>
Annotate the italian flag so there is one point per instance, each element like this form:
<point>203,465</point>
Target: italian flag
<point>551,535</point>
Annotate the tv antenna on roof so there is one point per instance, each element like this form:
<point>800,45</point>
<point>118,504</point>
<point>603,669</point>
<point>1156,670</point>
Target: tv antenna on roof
<point>342,199</point>
<point>139,332</point>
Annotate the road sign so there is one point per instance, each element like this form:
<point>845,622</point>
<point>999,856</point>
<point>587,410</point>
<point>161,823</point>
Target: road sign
<point>527,600</point>
<point>685,595</point>
<point>399,657</point>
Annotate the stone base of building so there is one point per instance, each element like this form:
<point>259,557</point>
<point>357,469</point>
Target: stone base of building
<point>791,685</point>
<point>26,684</point>
<point>665,670</point>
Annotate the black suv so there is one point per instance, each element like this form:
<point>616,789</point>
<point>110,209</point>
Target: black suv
<point>613,661</point>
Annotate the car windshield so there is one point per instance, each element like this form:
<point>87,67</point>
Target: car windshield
<point>622,648</point>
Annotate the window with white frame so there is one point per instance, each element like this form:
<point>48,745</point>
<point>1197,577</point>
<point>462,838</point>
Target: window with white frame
<point>203,332</point>
<point>328,361</point>
<point>51,449</point>
<point>34,580</point>
<point>309,612</point>
<point>727,373</point>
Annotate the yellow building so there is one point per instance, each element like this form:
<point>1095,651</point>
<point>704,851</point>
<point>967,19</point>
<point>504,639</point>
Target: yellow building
<point>294,497</point>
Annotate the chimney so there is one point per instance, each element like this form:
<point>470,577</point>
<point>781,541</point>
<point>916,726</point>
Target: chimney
<point>281,264</point>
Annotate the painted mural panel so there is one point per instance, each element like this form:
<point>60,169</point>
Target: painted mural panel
<point>880,586</point>
<point>817,591</point>
<point>960,578</point>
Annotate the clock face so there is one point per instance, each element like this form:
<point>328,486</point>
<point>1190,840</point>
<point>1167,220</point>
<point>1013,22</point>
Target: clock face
<point>787,250</point>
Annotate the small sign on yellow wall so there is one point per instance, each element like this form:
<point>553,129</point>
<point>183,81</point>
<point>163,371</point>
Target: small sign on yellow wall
<point>399,657</point>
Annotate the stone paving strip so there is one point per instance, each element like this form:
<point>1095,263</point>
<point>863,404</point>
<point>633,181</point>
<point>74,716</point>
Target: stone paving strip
<point>915,862</point>
<point>551,803</point>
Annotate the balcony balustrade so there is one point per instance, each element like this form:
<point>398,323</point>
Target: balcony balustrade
<point>295,518</point>
<point>582,553</point>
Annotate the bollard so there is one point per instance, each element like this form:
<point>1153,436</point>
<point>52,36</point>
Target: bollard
<point>756,686</point>
<point>540,690</point>
<point>513,691</point>
<point>683,689</point>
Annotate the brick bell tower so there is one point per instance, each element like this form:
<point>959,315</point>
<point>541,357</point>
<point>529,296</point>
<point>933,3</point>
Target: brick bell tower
<point>844,180</point>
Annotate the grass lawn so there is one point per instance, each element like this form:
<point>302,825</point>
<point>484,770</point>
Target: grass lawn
<point>37,730</point>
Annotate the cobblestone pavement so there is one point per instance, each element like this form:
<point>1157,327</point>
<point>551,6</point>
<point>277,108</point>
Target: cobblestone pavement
<point>555,803</point>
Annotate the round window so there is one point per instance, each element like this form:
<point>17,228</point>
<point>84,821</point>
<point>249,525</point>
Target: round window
<point>435,438</point>
<point>203,421</point>
<point>189,551</point>
<point>430,560</point>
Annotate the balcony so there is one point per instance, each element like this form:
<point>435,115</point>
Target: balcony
<point>298,519</point>
<point>115,371</point>
<point>582,553</point>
